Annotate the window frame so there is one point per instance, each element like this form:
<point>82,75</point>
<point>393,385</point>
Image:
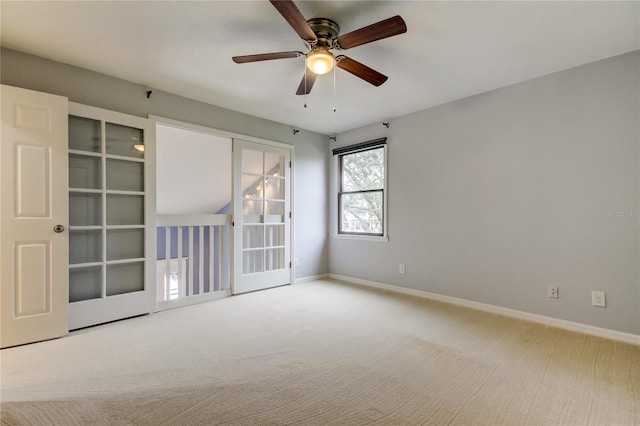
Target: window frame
<point>340,153</point>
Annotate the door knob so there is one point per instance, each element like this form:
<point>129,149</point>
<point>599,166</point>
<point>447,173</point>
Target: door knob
<point>58,228</point>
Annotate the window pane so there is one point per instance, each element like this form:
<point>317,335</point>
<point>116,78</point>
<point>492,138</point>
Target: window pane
<point>274,164</point>
<point>85,246</point>
<point>125,209</point>
<point>363,171</point>
<point>84,172</point>
<point>253,236</point>
<point>274,235</point>
<point>121,140</point>
<point>125,175</point>
<point>361,213</point>
<point>274,259</point>
<point>252,162</point>
<point>274,188</point>
<point>251,186</point>
<point>84,134</point>
<point>252,261</point>
<point>85,283</point>
<point>125,278</point>
<point>85,209</point>
<point>125,244</point>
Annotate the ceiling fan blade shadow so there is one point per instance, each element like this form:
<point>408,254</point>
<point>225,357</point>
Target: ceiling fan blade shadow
<point>294,17</point>
<point>305,86</point>
<point>383,29</point>
<point>266,57</point>
<point>360,70</point>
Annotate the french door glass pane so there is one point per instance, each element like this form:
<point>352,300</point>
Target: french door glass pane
<point>274,188</point>
<point>252,261</point>
<point>252,186</point>
<point>274,212</point>
<point>85,246</point>
<point>125,175</point>
<point>84,134</point>
<point>125,244</point>
<point>85,283</point>
<point>274,259</point>
<point>125,278</point>
<point>85,209</point>
<point>122,139</point>
<point>84,172</point>
<point>252,162</point>
<point>274,164</point>
<point>253,236</point>
<point>274,235</point>
<point>125,209</point>
<point>252,211</point>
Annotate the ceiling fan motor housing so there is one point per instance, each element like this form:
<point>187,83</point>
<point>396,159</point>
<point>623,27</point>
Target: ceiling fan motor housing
<point>325,29</point>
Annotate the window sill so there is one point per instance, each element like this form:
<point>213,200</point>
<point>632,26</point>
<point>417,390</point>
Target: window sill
<point>373,238</point>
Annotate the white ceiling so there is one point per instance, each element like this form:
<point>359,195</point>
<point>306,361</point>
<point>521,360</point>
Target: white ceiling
<point>451,50</point>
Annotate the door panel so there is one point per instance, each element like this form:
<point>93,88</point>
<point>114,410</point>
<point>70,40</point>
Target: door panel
<point>261,216</point>
<point>33,165</point>
<point>33,184</point>
<point>32,286</point>
<point>112,219</point>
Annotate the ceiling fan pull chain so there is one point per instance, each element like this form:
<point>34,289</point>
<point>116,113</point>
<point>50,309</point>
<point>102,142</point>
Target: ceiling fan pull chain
<point>306,93</point>
<point>334,89</point>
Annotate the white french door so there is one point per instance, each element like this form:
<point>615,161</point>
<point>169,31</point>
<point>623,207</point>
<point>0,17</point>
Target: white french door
<point>262,216</point>
<point>33,217</point>
<point>112,235</point>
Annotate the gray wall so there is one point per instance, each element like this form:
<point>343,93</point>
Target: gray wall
<point>90,88</point>
<point>494,197</point>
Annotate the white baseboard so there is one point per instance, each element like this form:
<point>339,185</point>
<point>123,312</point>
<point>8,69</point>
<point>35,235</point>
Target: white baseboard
<point>541,319</point>
<point>310,278</point>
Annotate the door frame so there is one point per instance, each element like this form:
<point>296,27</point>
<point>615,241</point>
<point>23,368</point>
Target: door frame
<point>233,135</point>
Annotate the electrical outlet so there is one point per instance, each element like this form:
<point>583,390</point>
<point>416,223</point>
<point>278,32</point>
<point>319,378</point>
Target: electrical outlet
<point>552,292</point>
<point>296,262</point>
<point>401,268</point>
<point>598,298</point>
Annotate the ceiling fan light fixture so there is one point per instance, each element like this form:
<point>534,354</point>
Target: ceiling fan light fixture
<point>320,61</point>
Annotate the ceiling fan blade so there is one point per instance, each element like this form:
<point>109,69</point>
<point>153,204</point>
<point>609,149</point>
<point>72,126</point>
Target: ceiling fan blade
<point>293,16</point>
<point>266,57</point>
<point>383,29</point>
<point>305,87</point>
<point>360,70</point>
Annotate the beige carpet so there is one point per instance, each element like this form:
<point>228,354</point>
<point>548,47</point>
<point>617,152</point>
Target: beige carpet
<point>322,353</point>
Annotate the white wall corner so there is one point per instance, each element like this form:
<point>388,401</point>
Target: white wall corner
<point>310,278</point>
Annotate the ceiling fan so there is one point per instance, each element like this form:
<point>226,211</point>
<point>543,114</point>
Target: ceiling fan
<point>320,35</point>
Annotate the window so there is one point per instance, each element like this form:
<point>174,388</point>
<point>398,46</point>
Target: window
<point>361,196</point>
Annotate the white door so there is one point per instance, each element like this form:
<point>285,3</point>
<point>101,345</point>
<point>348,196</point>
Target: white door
<point>112,236</point>
<point>33,216</point>
<point>262,216</point>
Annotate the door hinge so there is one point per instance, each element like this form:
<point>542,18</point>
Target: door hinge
<point>290,163</point>
<point>289,215</point>
<point>233,223</point>
<point>290,265</point>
